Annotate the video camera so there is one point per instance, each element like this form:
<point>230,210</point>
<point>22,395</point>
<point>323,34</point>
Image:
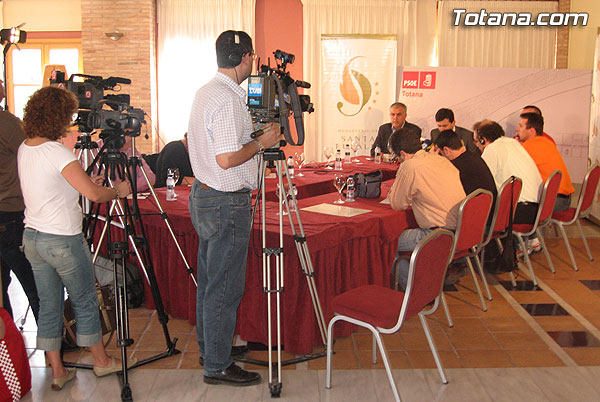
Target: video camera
<point>273,96</point>
<point>92,114</point>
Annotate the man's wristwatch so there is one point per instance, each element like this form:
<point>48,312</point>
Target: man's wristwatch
<point>260,146</point>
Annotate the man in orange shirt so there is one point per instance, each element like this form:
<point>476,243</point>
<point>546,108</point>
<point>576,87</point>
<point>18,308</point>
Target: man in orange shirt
<point>545,155</point>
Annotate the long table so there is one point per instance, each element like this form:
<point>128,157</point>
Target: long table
<point>346,252</point>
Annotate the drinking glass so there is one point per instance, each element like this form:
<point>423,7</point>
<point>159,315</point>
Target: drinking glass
<point>277,192</point>
<point>328,153</point>
<point>291,203</point>
<point>355,146</point>
<point>339,182</point>
<point>299,157</point>
<point>175,173</point>
<point>350,189</point>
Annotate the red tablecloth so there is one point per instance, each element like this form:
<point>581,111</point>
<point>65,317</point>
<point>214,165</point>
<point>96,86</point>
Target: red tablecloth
<point>345,252</point>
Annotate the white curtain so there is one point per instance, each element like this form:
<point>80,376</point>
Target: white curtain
<point>388,17</point>
<point>498,46</point>
<point>187,30</point>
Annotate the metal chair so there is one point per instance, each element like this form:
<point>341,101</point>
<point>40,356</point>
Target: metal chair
<point>546,205</point>
<point>583,209</point>
<point>472,217</point>
<point>384,311</point>
<point>500,220</point>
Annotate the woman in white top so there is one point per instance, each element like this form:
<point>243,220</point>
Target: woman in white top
<point>52,179</point>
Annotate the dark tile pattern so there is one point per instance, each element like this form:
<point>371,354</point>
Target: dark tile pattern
<point>574,339</point>
<point>544,309</point>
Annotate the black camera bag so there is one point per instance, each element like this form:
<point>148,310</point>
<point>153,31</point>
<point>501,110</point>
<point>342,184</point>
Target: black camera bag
<point>368,185</point>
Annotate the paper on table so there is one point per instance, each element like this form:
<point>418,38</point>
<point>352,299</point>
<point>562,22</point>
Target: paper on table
<point>336,210</point>
<point>140,196</point>
<point>386,200</point>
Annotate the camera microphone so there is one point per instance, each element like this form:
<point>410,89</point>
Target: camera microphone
<point>302,84</point>
<point>257,133</point>
<point>112,81</point>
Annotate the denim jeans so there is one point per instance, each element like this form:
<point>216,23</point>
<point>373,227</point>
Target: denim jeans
<point>63,261</point>
<point>13,259</point>
<point>222,221</point>
<point>407,241</point>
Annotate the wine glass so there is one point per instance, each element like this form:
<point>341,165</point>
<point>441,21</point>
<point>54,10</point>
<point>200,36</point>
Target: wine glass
<point>355,146</point>
<point>328,153</point>
<point>292,198</point>
<point>339,182</point>
<point>350,189</point>
<point>299,157</point>
<point>175,173</point>
<point>277,193</point>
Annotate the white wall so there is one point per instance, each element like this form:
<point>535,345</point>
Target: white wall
<point>43,15</point>
<point>582,40</point>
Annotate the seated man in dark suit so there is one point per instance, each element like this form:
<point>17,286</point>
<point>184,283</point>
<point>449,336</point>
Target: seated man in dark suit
<point>397,121</point>
<point>444,119</point>
<point>474,172</point>
<point>174,155</point>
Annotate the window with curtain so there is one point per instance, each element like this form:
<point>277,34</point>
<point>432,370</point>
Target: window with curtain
<point>187,31</point>
<point>388,17</point>
<point>501,46</point>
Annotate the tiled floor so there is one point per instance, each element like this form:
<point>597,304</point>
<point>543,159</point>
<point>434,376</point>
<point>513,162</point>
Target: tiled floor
<point>531,344</point>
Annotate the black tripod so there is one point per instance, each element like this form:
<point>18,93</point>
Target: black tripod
<point>275,158</point>
<point>115,165</point>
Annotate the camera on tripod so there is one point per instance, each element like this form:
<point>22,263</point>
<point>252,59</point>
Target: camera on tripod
<point>273,96</point>
<point>92,115</point>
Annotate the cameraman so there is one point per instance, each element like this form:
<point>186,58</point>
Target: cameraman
<point>225,163</point>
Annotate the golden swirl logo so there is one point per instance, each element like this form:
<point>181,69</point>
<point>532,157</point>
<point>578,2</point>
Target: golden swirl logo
<point>355,88</point>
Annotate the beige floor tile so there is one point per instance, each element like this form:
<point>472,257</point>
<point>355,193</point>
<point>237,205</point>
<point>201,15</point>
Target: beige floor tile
<point>411,385</point>
<point>562,384</point>
<point>397,360</point>
<point>506,385</point>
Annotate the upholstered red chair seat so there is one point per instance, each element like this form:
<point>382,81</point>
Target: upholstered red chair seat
<point>565,216</point>
<point>461,254</point>
<point>374,304</point>
<point>522,227</point>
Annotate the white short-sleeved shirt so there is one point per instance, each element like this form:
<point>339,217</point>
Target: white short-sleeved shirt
<point>506,157</point>
<point>51,203</point>
<point>220,123</point>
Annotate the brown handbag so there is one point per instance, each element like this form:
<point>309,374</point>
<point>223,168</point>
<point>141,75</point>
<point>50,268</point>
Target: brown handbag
<point>106,311</point>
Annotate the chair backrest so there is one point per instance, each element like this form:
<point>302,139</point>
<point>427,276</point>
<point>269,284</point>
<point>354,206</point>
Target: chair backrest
<point>548,198</point>
<point>588,191</point>
<point>501,212</point>
<point>472,218</point>
<point>426,273</point>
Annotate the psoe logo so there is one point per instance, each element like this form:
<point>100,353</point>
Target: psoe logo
<point>355,88</point>
<point>410,79</point>
<point>427,80</point>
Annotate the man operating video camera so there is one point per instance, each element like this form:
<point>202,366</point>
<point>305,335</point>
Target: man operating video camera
<point>225,163</point>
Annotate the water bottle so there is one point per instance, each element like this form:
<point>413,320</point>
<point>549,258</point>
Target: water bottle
<point>290,165</point>
<point>171,188</point>
<point>347,154</point>
<point>377,155</point>
<point>338,160</point>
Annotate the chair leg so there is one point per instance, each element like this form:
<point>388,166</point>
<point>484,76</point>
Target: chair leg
<point>386,363</point>
<point>447,311</point>
<point>545,250</point>
<point>472,271</point>
<point>483,278</point>
<point>512,279</point>
<point>433,348</point>
<point>587,247</point>
<point>329,350</point>
<point>527,260</point>
<point>374,350</point>
<point>568,244</point>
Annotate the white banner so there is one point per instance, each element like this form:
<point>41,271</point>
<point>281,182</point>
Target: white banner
<point>499,94</point>
<point>358,79</point>
<point>594,138</point>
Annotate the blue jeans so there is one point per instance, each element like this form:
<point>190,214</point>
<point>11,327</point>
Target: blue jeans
<point>13,259</point>
<point>222,221</point>
<point>63,261</point>
<point>407,241</point>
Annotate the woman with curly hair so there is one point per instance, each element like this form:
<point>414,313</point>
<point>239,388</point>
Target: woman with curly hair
<point>51,180</point>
